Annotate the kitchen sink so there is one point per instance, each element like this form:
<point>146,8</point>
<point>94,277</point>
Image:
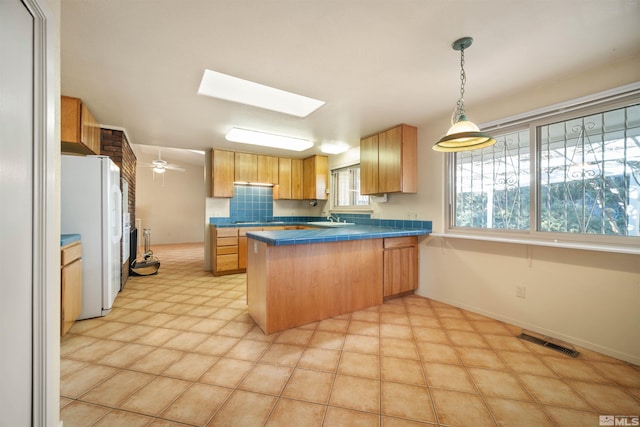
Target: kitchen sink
<point>330,223</point>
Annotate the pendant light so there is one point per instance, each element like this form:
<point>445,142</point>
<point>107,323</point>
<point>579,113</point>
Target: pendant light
<point>463,135</point>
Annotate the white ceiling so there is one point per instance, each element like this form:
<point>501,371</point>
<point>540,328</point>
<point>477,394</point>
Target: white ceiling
<point>138,63</point>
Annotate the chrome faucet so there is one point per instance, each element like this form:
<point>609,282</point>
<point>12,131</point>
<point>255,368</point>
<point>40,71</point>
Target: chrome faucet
<point>332,218</point>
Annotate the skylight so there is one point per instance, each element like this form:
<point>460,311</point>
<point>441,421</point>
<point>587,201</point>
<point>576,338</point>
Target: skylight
<point>229,88</point>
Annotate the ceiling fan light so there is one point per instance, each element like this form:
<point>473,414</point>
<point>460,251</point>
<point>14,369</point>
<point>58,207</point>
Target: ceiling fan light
<point>159,169</point>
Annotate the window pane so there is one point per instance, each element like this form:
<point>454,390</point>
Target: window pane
<point>589,174</point>
<point>346,187</point>
<point>492,184</point>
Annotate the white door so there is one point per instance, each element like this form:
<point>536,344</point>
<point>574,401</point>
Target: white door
<point>16,212</point>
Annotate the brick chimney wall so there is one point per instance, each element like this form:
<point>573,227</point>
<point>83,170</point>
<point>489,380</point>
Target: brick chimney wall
<point>113,143</point>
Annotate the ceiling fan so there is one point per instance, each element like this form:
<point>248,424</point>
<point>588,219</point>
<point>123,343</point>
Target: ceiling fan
<point>161,166</point>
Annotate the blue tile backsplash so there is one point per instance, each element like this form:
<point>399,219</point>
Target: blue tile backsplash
<point>255,204</point>
<point>251,203</point>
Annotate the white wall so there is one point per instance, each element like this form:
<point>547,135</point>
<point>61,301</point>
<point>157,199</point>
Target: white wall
<point>587,298</point>
<point>173,209</point>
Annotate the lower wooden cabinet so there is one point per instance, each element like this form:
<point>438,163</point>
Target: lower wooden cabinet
<point>224,250</point>
<point>400,261</point>
<point>229,248</point>
<point>70,285</point>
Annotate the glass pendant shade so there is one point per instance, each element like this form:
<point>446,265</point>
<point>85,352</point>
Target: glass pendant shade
<point>464,135</point>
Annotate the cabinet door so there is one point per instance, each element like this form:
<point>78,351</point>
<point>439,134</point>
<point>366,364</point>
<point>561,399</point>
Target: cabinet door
<point>297,181</point>
<point>400,270</point>
<point>70,116</point>
<point>79,130</point>
<point>397,160</point>
<point>70,295</point>
<point>246,167</point>
<point>390,161</point>
<point>315,177</point>
<point>369,165</point>
<point>284,178</point>
<point>222,173</point>
<point>90,132</point>
<point>267,169</point>
<point>242,252</point>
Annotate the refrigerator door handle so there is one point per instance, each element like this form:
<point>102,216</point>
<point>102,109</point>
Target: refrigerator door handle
<point>116,214</point>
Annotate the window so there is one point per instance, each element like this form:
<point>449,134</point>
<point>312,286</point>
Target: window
<point>575,174</point>
<point>346,188</point>
<point>589,174</point>
<point>492,185</point>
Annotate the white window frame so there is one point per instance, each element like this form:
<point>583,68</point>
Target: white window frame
<point>615,98</point>
<point>334,190</point>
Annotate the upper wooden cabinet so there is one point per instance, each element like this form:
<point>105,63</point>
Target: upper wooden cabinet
<point>287,174</point>
<point>246,167</point>
<point>284,178</point>
<point>369,165</point>
<point>222,173</point>
<point>315,176</point>
<point>290,180</point>
<point>268,169</point>
<point>392,156</point>
<point>297,179</point>
<point>79,130</point>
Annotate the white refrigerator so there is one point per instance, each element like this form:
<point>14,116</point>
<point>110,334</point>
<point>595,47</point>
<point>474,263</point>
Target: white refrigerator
<point>91,205</point>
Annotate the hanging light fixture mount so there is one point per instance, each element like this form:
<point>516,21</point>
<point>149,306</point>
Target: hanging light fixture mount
<point>463,135</point>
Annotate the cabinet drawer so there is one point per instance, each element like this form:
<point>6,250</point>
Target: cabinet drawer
<point>227,262</point>
<point>226,250</point>
<point>400,242</point>
<point>227,241</point>
<point>70,253</point>
<point>227,232</point>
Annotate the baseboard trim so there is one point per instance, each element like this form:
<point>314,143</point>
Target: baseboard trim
<point>544,331</point>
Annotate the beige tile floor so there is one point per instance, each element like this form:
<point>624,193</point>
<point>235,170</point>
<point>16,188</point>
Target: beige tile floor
<point>180,349</point>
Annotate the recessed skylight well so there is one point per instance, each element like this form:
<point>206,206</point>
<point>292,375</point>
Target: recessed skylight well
<point>229,88</point>
<point>253,137</point>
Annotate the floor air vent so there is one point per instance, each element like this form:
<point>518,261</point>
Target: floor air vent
<point>549,342</point>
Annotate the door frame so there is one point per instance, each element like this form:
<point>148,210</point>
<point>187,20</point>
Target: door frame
<point>46,215</point>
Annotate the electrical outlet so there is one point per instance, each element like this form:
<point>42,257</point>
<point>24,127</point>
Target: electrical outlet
<point>521,291</point>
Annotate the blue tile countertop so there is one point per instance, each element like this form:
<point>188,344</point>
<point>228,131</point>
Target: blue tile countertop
<point>364,228</point>
<point>332,234</point>
<point>67,239</point>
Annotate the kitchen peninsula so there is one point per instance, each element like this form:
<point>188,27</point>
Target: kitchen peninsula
<point>296,277</point>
